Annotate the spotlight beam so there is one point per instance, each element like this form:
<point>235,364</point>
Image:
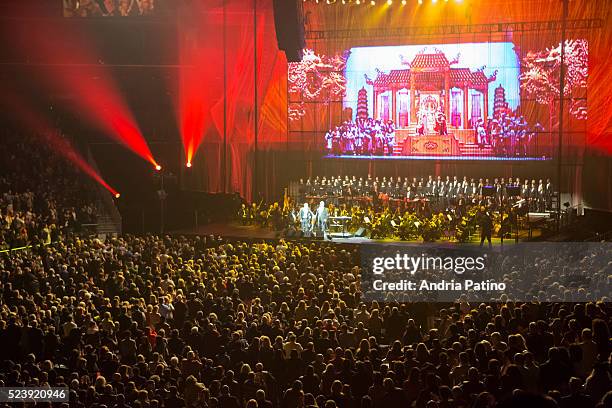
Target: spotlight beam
<point>88,82</point>
<point>49,135</point>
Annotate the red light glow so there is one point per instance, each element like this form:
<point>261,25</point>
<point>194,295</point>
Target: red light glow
<point>48,134</point>
<point>70,65</point>
<point>199,79</point>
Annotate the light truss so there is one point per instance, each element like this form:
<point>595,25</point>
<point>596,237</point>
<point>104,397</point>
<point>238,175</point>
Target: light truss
<point>424,31</point>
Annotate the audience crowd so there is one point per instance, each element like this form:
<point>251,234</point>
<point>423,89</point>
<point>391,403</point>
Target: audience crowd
<point>41,194</point>
<point>205,322</point>
<point>172,322</point>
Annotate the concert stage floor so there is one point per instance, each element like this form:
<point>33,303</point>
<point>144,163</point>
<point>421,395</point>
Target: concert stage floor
<point>440,157</point>
<point>250,232</point>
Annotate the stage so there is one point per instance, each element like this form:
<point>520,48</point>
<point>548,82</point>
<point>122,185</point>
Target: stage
<point>235,230</point>
<point>441,158</point>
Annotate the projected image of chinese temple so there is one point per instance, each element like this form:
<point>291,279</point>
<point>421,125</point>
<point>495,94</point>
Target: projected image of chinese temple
<point>407,101</point>
<point>414,97</point>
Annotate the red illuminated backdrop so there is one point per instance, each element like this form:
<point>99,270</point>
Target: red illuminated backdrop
<point>216,106</point>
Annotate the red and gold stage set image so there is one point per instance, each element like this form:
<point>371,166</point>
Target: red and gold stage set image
<point>413,98</point>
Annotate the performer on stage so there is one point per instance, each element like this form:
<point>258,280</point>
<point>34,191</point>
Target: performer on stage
<point>305,217</point>
<point>441,123</point>
<point>321,218</point>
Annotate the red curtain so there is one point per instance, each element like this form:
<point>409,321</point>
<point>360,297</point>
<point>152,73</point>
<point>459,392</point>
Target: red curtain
<point>254,72</point>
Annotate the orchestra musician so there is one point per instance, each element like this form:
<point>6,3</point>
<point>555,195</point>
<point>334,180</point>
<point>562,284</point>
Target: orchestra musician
<point>533,196</point>
<point>548,194</point>
<point>541,198</point>
<point>243,214</point>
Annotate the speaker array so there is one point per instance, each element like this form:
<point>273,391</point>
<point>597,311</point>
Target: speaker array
<point>289,23</point>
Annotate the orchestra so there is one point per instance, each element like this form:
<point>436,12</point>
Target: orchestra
<point>439,192</point>
<point>403,207</point>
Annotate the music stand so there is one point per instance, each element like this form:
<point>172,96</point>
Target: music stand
<point>513,190</point>
<point>488,191</point>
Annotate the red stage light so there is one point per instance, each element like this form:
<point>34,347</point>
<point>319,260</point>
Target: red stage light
<point>117,195</point>
<point>196,99</point>
<point>94,92</point>
<point>188,164</point>
<point>46,132</point>
<point>158,167</point>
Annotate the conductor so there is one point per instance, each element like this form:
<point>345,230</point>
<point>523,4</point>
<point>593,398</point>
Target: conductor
<point>486,227</point>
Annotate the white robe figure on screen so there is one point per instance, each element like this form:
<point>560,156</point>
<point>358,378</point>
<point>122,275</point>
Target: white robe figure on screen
<point>322,216</point>
<point>329,137</point>
<point>306,217</point>
<point>390,136</point>
<point>481,134</point>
